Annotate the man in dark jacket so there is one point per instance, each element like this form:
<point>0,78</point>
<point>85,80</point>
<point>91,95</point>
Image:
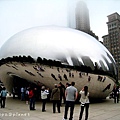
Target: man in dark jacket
<point>62,92</point>
<point>116,94</point>
<point>55,96</point>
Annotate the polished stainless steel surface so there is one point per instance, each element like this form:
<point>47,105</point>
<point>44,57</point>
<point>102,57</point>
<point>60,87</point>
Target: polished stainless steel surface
<point>74,49</point>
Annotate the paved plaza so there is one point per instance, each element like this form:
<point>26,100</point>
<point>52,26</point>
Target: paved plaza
<point>18,110</point>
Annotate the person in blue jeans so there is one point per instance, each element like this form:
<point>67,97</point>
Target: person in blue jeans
<point>71,95</point>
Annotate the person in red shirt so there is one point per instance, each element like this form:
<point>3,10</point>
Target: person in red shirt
<point>31,99</point>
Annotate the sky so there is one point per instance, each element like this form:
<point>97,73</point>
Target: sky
<point>18,15</point>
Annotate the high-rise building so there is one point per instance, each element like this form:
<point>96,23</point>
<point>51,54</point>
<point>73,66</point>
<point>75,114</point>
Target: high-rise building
<point>112,40</point>
<point>106,42</point>
<point>82,18</point>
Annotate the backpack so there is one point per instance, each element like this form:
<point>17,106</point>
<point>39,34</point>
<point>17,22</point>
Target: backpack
<point>3,93</point>
<point>31,94</point>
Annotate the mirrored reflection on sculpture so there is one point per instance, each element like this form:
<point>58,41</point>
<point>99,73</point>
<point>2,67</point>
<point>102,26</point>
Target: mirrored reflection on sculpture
<point>50,55</point>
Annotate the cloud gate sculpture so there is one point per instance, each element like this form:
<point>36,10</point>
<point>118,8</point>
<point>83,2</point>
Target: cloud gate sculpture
<point>50,55</point>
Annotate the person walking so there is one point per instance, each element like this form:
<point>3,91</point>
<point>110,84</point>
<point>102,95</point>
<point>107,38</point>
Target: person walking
<point>44,96</point>
<point>55,96</point>
<point>71,95</point>
<point>84,100</point>
<point>3,97</point>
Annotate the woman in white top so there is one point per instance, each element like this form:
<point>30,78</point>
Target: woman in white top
<point>84,100</point>
<point>44,94</point>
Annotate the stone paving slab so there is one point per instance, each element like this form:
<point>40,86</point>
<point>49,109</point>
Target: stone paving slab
<point>18,110</point>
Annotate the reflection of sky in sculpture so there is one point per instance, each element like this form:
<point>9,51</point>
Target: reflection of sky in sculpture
<point>67,45</point>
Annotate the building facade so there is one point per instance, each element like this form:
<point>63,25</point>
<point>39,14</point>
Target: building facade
<point>106,41</point>
<point>112,40</point>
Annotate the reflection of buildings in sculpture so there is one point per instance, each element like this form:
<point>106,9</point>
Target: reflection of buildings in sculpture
<point>111,41</point>
<point>102,65</point>
<point>72,56</point>
<point>75,61</point>
<point>82,18</point>
<point>88,62</point>
<point>111,67</point>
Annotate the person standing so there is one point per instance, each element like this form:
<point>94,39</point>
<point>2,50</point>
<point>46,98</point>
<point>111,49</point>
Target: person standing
<point>84,100</point>
<point>22,93</point>
<point>13,91</point>
<point>3,97</point>
<point>27,95</point>
<point>55,96</point>
<point>31,99</point>
<point>62,92</point>
<point>71,95</point>
<point>116,94</point>
<point>44,96</point>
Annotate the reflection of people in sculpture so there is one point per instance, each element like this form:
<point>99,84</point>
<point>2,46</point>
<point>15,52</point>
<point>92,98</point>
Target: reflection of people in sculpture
<point>65,76</point>
<point>53,76</point>
<point>99,78</point>
<point>69,74</point>
<point>59,76</point>
<point>72,74</point>
<point>58,69</point>
<point>107,88</point>
<point>40,74</point>
<point>104,79</point>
